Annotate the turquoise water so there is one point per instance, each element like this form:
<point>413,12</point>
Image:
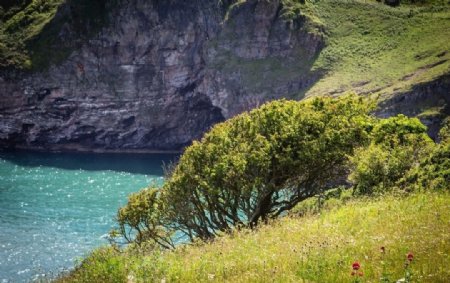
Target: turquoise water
<point>54,208</point>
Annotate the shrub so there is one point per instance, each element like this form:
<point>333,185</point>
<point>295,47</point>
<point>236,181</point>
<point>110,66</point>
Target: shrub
<point>398,144</point>
<point>444,133</point>
<point>102,265</point>
<point>251,168</point>
<point>433,173</point>
<point>141,219</point>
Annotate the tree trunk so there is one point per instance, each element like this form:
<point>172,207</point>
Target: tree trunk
<point>261,210</point>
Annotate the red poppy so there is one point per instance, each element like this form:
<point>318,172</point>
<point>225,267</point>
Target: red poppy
<point>410,256</point>
<point>361,274</point>
<point>353,273</point>
<point>356,265</point>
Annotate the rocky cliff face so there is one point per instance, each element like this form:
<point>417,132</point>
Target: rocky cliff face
<point>157,75</point>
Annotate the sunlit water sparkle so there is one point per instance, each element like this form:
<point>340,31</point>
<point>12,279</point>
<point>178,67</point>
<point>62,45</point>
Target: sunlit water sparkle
<point>54,208</point>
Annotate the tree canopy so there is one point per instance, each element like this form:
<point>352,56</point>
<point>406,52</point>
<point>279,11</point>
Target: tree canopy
<point>260,164</point>
<point>251,168</point>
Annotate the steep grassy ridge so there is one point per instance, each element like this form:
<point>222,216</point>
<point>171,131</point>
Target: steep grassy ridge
<point>315,248</point>
<point>372,47</point>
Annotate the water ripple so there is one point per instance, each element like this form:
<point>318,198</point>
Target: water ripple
<point>51,216</point>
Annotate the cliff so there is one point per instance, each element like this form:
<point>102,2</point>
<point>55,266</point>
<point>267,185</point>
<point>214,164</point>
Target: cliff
<point>152,78</point>
<point>154,75</point>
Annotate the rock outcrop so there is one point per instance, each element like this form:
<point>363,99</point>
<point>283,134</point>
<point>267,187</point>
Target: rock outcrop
<point>157,76</point>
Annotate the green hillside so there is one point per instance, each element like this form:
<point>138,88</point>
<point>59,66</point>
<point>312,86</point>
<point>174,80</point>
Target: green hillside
<point>372,47</point>
<point>20,24</point>
<point>315,248</point>
<point>265,162</point>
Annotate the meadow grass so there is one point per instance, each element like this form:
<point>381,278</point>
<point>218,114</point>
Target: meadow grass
<point>313,248</point>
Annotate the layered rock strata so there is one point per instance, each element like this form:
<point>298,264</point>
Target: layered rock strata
<point>157,76</point>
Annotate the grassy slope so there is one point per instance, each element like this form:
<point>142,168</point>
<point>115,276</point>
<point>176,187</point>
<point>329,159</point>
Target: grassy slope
<point>372,47</point>
<point>317,248</point>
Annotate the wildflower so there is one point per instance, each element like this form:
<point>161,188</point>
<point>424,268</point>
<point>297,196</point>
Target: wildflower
<point>383,249</point>
<point>356,266</point>
<point>410,256</point>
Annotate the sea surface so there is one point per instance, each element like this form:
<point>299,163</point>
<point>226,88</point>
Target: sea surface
<point>56,207</point>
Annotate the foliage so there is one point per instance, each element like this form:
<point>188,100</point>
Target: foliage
<point>328,200</point>
<point>444,133</point>
<point>398,130</point>
<point>254,167</point>
<point>141,219</point>
<point>398,143</point>
<point>102,265</point>
<point>433,173</point>
<point>318,248</point>
<point>20,24</point>
<point>259,165</point>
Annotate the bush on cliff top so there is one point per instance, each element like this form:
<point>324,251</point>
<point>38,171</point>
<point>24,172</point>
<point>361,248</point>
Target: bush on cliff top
<point>259,165</point>
<point>229,168</point>
<point>433,170</point>
<point>252,168</point>
<point>32,37</point>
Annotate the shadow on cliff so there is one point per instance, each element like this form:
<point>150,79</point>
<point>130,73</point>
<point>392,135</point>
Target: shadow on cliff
<point>75,22</point>
<point>149,164</point>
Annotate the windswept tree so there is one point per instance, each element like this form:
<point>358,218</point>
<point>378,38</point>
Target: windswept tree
<point>253,167</point>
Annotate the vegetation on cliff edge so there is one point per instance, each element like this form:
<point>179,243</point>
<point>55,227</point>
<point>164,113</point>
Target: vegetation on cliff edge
<point>315,248</point>
<point>224,174</point>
